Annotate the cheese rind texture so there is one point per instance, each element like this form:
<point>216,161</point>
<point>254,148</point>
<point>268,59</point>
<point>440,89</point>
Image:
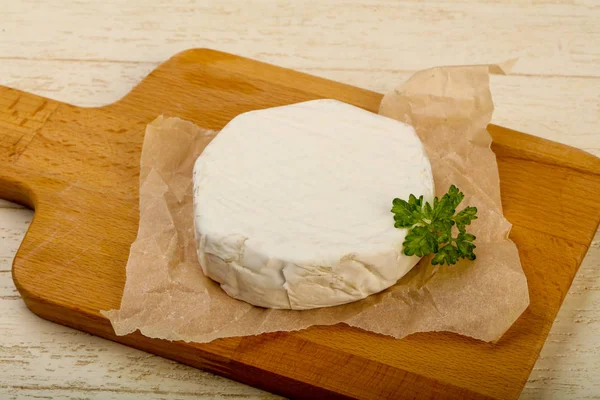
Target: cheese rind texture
<point>292,204</point>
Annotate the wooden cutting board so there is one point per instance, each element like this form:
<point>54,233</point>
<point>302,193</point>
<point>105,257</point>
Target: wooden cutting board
<point>78,168</point>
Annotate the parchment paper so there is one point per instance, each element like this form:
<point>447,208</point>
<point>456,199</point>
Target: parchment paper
<point>167,296</point>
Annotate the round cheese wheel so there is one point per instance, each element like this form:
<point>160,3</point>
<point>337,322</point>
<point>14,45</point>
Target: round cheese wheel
<point>292,204</point>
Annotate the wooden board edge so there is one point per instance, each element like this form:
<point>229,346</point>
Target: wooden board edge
<point>16,186</point>
<point>215,358</point>
<point>514,144</point>
<point>264,351</point>
<point>260,70</point>
<point>554,153</point>
<point>234,366</point>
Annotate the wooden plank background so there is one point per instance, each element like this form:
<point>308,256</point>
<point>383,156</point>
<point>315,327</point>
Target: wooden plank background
<point>91,53</point>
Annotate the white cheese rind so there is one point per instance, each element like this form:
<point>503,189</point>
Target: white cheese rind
<point>292,204</point>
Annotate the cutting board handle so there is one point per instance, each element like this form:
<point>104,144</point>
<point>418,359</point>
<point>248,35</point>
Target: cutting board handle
<point>22,115</point>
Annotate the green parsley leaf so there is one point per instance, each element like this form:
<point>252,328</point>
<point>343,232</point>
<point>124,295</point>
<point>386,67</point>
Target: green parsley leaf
<point>420,241</point>
<point>465,217</point>
<point>431,227</point>
<point>465,246</point>
<point>446,255</point>
<point>403,213</point>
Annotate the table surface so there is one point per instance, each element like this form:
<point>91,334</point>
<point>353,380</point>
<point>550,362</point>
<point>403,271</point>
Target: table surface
<point>92,53</point>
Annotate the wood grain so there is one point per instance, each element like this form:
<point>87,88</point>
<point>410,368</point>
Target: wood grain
<point>84,162</point>
<point>92,53</point>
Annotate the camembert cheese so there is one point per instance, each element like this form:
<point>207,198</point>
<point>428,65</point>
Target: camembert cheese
<point>292,204</point>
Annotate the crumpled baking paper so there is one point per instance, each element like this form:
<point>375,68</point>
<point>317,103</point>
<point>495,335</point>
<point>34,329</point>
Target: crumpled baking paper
<point>167,296</point>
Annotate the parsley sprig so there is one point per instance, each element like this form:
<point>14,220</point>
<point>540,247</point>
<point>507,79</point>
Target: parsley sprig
<point>431,227</point>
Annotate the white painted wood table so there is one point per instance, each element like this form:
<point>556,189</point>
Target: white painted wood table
<point>91,53</point>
